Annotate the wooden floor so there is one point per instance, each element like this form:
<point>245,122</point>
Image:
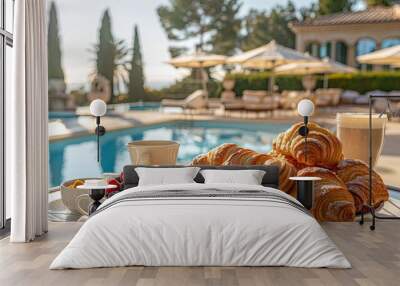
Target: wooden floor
<point>375,257</point>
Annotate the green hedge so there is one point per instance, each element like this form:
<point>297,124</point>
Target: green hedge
<point>259,81</point>
<point>361,82</point>
<point>184,87</point>
<point>366,81</point>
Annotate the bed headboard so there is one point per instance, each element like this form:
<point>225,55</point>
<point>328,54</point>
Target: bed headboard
<point>271,177</point>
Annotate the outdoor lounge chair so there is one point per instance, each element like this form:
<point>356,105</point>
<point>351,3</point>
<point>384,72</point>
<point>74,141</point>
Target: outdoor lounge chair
<point>323,97</point>
<point>335,95</point>
<point>290,99</point>
<point>258,101</point>
<point>267,103</point>
<point>233,104</point>
<point>349,96</point>
<point>388,104</point>
<point>394,93</point>
<point>364,99</point>
<point>230,102</point>
<point>328,96</point>
<point>254,96</point>
<point>228,95</point>
<point>196,100</point>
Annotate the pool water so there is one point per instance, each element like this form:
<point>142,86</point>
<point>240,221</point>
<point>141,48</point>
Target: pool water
<point>76,158</point>
<point>61,115</point>
<point>145,106</point>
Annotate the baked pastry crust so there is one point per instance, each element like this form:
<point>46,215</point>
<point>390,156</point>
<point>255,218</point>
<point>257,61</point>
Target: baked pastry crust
<point>355,174</point>
<point>332,200</point>
<point>216,156</point>
<point>231,154</point>
<point>343,189</point>
<point>323,148</point>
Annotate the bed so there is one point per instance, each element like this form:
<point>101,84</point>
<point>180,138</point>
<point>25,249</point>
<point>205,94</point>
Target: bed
<point>198,224</point>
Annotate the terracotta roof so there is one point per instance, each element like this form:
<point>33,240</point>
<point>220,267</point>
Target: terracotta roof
<point>372,15</point>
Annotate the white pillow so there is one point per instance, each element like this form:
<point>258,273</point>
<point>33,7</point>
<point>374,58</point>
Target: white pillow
<point>166,176</point>
<point>247,177</point>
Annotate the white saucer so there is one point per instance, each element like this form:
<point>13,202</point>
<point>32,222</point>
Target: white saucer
<point>89,187</point>
<point>305,178</point>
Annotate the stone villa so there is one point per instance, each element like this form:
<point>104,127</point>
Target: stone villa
<point>344,36</point>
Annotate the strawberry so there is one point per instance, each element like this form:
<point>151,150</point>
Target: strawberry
<point>113,182</point>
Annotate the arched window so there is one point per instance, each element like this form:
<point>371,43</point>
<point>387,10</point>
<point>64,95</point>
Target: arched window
<point>313,49</point>
<point>341,52</point>
<point>387,43</point>
<point>365,46</point>
<point>325,50</point>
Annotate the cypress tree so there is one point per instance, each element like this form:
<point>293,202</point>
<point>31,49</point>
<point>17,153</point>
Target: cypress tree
<point>105,53</point>
<point>53,43</point>
<point>136,77</point>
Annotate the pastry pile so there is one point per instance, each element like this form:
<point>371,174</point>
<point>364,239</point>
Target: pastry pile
<point>343,189</point>
<point>232,154</point>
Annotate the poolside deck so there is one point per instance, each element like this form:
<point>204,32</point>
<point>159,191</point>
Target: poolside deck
<point>85,125</point>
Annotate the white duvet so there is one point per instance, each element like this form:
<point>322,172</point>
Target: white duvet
<point>200,231</point>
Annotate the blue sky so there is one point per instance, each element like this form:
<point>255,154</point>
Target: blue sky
<point>79,22</point>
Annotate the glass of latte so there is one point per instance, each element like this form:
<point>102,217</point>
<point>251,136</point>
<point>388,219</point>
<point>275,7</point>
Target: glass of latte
<point>353,130</point>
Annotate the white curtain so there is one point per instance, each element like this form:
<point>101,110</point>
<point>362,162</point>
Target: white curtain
<point>26,124</point>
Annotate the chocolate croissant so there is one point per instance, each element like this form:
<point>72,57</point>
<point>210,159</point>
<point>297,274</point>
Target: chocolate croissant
<point>323,148</point>
<point>332,200</point>
<point>355,174</point>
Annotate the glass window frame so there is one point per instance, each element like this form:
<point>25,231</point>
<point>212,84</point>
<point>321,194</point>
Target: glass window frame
<point>363,49</point>
<point>6,39</point>
<point>313,48</point>
<point>341,51</point>
<point>325,50</point>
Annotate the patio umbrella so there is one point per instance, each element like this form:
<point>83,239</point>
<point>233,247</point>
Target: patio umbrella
<point>199,60</point>
<point>269,56</point>
<point>387,56</point>
<point>326,66</point>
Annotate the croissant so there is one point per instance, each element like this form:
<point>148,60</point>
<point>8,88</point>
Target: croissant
<point>246,157</point>
<point>216,156</point>
<point>355,174</point>
<point>332,200</point>
<point>231,154</point>
<point>201,159</point>
<point>286,170</point>
<point>323,147</point>
<point>288,159</point>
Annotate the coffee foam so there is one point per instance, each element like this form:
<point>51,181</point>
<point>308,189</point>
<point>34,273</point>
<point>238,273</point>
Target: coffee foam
<point>360,120</point>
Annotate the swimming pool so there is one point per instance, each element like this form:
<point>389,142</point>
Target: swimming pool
<point>145,106</point>
<point>76,158</point>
